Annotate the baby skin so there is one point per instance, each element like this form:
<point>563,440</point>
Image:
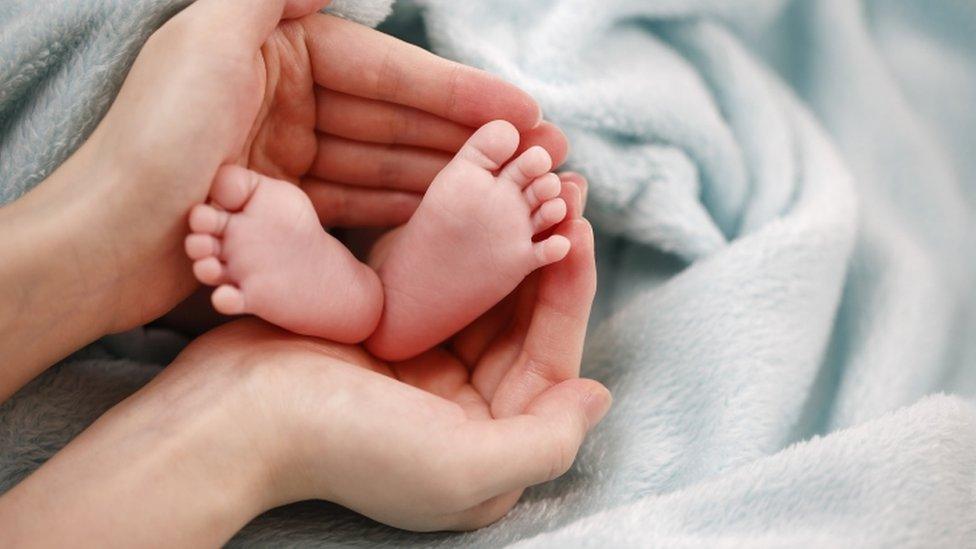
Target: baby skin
<point>475,236</point>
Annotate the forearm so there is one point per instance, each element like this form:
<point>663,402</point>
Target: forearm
<point>59,265</point>
<point>51,293</point>
<point>167,467</point>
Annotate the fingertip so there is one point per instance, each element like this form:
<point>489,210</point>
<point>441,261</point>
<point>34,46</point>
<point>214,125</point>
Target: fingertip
<point>596,403</point>
<point>548,136</point>
<point>479,96</point>
<point>579,183</point>
<point>572,196</point>
<point>584,398</point>
<point>579,232</point>
<point>558,144</point>
<point>529,113</point>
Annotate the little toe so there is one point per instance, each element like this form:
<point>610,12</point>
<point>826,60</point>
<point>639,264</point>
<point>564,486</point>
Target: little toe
<point>207,219</point>
<point>544,188</point>
<point>551,250</point>
<point>527,166</point>
<point>200,246</point>
<point>228,300</point>
<point>210,271</point>
<point>549,213</point>
<point>233,186</point>
<point>491,146</point>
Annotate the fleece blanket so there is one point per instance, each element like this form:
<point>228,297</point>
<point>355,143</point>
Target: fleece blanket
<point>783,193</point>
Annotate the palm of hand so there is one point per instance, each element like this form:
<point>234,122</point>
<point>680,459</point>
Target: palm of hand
<point>496,368</point>
<point>426,450</point>
<point>361,120</point>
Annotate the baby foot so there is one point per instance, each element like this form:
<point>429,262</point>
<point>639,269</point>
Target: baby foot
<point>260,242</point>
<point>473,239</point>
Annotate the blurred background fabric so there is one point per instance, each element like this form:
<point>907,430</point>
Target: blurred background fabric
<point>783,193</point>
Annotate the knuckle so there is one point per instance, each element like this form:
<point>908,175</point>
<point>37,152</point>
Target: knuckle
<point>389,76</point>
<point>547,371</point>
<point>401,127</point>
<point>388,168</point>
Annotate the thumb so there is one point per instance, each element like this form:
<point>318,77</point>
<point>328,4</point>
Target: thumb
<point>583,398</point>
<point>536,446</point>
<point>247,23</point>
<point>553,346</point>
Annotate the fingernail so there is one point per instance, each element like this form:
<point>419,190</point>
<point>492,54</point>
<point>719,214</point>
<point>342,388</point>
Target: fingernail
<point>596,405</point>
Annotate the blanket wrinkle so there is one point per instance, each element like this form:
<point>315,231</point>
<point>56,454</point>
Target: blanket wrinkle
<point>783,192</point>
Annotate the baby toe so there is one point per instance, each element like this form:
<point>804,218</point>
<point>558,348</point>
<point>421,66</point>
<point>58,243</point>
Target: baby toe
<point>549,213</point>
<point>207,219</point>
<point>529,165</point>
<point>550,250</point>
<point>210,271</point>
<point>491,146</point>
<point>228,300</point>
<point>543,188</point>
<point>200,246</point>
<point>233,186</point>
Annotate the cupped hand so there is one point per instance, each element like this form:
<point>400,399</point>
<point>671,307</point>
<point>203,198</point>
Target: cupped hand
<point>250,417</point>
<point>361,120</point>
<point>447,440</point>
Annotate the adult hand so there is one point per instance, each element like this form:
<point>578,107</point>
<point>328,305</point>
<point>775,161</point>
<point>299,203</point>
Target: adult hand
<point>250,417</point>
<point>502,407</point>
<point>361,120</point>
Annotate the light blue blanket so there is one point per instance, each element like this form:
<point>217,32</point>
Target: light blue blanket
<point>784,196</point>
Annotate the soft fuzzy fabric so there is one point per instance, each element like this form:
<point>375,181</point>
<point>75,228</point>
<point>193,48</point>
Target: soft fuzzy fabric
<point>370,13</point>
<point>783,194</point>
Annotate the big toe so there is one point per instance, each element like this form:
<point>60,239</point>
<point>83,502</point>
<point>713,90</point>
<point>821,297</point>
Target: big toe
<point>233,186</point>
<point>491,146</point>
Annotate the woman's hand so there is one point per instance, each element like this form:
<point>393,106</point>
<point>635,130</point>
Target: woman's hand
<point>500,407</point>
<point>250,417</point>
<point>361,120</point>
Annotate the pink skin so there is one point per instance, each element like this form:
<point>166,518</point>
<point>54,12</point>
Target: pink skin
<point>469,244</point>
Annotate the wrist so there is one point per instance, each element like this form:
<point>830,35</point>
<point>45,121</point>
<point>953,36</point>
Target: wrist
<point>56,295</point>
<point>284,386</point>
<point>178,459</point>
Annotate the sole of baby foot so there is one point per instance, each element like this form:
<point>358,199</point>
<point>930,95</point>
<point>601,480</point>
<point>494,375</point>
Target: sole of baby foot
<point>473,239</point>
<point>260,243</point>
